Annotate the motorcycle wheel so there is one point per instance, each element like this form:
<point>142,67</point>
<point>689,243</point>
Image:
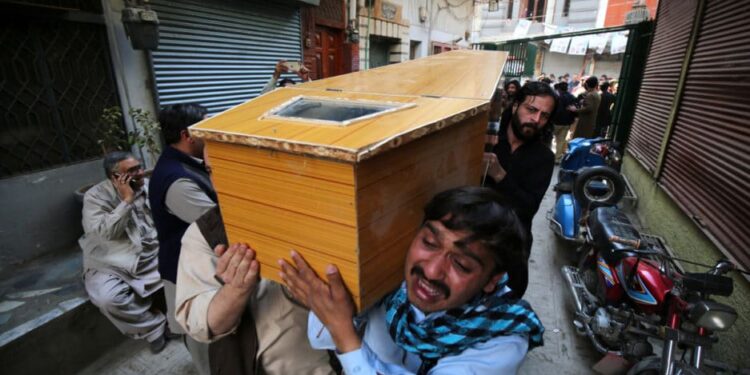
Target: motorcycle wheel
<point>652,366</point>
<point>646,366</point>
<point>586,191</point>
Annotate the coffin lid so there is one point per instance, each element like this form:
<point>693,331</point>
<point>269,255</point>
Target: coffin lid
<point>440,91</point>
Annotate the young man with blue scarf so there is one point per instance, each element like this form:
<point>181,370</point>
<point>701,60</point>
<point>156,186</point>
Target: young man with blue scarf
<point>451,315</point>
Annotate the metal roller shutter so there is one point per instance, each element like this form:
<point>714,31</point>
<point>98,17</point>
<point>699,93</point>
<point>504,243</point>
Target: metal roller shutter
<point>707,164</point>
<point>221,53</point>
<point>673,26</point>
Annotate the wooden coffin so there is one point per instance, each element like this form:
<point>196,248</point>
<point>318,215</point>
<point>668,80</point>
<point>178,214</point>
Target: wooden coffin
<point>351,194</point>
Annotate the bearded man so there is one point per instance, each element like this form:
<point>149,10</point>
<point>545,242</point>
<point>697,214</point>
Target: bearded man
<point>520,165</point>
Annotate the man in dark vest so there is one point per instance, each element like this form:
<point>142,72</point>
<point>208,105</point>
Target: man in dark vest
<point>181,192</point>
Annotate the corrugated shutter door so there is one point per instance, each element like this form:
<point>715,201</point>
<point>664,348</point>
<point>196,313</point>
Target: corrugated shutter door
<point>707,165</point>
<point>221,53</point>
<point>659,86</point>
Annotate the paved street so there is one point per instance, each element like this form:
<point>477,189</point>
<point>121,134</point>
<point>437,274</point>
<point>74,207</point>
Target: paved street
<point>563,352</point>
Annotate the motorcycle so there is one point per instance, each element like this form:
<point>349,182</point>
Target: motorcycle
<point>589,173</point>
<point>628,291</point>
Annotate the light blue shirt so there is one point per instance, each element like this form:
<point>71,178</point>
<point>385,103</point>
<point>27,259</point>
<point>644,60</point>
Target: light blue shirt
<point>380,355</point>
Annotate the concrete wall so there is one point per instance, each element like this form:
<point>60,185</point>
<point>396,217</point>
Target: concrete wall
<point>448,25</point>
<point>609,67</point>
<point>583,14</point>
<point>561,63</point>
<point>40,215</point>
<point>132,72</point>
<point>661,216</point>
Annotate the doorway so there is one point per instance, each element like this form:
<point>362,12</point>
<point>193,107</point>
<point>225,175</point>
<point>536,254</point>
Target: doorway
<point>328,49</point>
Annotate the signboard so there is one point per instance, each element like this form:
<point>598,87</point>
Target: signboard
<point>560,45</point>
<point>619,42</point>
<point>578,45</point>
<point>522,29</point>
<point>598,42</point>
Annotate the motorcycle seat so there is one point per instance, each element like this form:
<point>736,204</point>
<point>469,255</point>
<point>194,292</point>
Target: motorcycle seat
<point>606,222</point>
<point>707,283</point>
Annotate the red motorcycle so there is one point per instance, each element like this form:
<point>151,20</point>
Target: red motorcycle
<point>629,292</point>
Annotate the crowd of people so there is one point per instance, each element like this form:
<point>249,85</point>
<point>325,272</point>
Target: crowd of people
<point>157,262</point>
<point>585,105</point>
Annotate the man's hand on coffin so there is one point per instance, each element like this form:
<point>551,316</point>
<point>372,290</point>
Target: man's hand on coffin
<point>331,302</point>
<point>493,167</point>
<point>237,271</point>
<point>237,268</point>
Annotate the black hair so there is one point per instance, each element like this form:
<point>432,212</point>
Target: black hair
<point>545,80</point>
<point>512,82</point>
<point>592,82</point>
<point>604,86</point>
<point>177,117</point>
<point>112,159</point>
<point>483,213</point>
<point>562,86</point>
<point>537,89</point>
<point>285,81</point>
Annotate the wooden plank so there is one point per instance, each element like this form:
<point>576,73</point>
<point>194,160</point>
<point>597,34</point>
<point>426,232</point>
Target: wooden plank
<point>389,283</point>
<point>284,189</point>
<point>395,177</point>
<point>294,164</point>
<point>391,257</point>
<point>269,250</point>
<point>333,239</point>
<point>456,74</point>
<point>357,141</point>
<point>394,220</point>
<point>464,80</point>
<point>390,208</point>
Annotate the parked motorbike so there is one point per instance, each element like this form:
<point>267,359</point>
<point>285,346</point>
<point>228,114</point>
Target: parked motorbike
<point>628,292</point>
<point>588,174</point>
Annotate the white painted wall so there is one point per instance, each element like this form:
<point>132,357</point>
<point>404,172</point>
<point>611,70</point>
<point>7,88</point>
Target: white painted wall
<point>449,22</point>
<point>601,13</point>
<point>561,63</point>
<point>609,67</point>
<point>132,71</point>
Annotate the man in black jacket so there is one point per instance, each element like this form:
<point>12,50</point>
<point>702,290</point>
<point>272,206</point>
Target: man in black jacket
<point>520,166</point>
<point>562,119</point>
<point>604,117</point>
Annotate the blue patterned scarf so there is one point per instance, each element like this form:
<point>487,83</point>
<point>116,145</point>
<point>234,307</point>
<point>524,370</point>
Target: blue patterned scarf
<point>484,317</point>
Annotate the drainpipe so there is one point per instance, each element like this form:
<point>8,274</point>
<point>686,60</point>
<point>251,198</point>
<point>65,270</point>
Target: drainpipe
<point>367,42</point>
<point>428,5</point>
